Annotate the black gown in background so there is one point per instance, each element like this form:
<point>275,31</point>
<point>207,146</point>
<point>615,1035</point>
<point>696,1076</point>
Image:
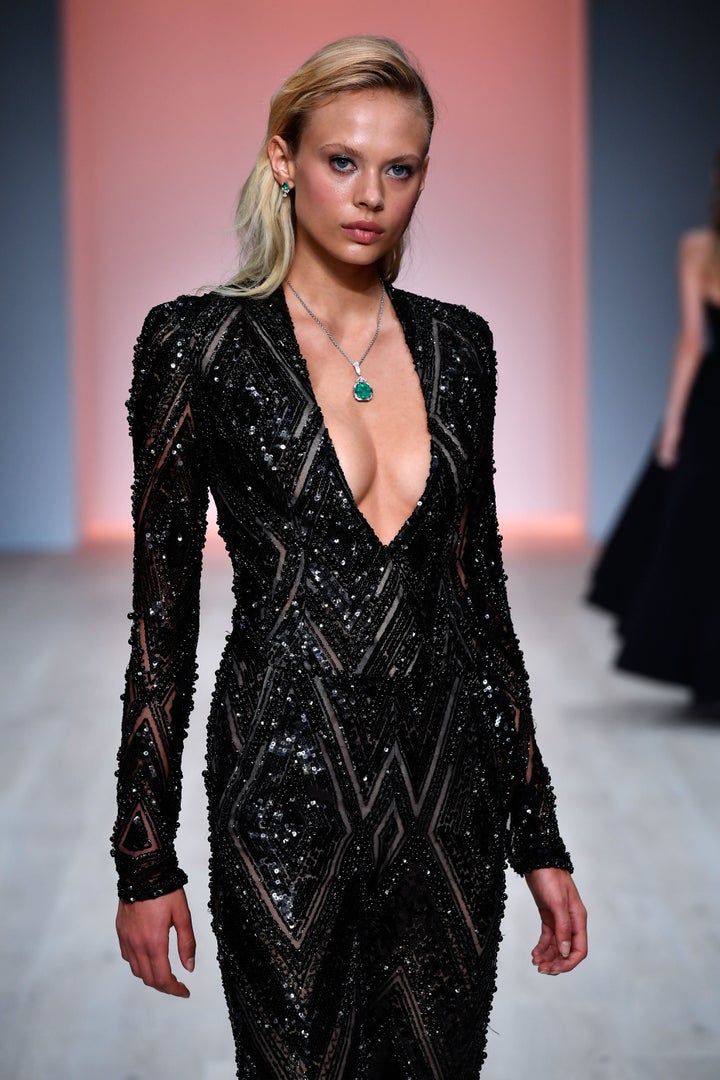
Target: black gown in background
<point>371,756</point>
<point>660,569</point>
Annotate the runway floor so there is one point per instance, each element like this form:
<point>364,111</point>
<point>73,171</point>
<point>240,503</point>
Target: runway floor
<point>638,792</point>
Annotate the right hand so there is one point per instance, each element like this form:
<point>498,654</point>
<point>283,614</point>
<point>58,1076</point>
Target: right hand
<point>143,929</point>
<point>563,920</point>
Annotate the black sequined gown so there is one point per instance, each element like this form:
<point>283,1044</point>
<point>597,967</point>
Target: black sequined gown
<point>371,757</point>
<point>659,570</point>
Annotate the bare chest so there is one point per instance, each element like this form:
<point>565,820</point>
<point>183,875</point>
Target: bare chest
<point>382,445</point>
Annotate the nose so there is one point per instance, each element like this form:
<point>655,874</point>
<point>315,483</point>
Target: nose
<point>369,191</point>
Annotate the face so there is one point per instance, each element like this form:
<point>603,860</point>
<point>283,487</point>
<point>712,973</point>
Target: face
<point>357,175</point>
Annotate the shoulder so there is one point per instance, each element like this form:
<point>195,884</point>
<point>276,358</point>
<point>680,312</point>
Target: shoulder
<point>203,319</point>
<point>187,312</point>
<point>179,334</point>
<point>468,324</point>
<point>695,245</point>
<point>164,355</point>
<point>694,262</point>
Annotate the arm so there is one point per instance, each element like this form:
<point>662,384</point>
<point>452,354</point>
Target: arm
<point>535,848</point>
<point>532,839</point>
<point>692,255</point>
<point>169,504</point>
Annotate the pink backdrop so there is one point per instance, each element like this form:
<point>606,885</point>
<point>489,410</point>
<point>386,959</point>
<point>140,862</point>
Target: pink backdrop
<point>166,107</point>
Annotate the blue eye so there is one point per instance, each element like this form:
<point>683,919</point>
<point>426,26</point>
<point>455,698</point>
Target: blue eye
<point>342,164</point>
<point>401,171</point>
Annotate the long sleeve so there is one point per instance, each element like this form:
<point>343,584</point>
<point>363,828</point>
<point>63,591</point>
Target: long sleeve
<point>533,839</point>
<point>169,507</point>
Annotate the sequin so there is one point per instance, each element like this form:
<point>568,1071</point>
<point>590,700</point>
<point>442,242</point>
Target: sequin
<point>371,758</point>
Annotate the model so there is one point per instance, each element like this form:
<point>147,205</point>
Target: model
<point>371,762</point>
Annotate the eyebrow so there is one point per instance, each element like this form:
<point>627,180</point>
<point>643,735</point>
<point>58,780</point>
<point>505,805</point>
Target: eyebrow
<point>349,151</point>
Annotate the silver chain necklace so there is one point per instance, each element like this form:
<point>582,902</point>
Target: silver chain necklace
<point>362,390</point>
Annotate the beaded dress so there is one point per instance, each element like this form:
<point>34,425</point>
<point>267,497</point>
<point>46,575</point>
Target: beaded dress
<point>371,758</point>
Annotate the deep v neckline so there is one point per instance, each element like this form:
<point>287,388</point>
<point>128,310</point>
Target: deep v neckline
<point>409,332</point>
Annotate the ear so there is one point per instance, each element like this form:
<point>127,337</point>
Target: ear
<point>423,172</point>
<point>281,161</point>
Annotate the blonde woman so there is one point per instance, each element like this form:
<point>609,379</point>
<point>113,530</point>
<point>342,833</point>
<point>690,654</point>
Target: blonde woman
<point>659,570</point>
<point>372,762</point>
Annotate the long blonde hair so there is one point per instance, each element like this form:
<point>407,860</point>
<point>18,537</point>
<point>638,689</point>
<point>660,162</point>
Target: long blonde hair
<point>264,220</point>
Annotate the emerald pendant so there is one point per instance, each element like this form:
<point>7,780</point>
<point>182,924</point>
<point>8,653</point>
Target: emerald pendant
<point>362,390</point>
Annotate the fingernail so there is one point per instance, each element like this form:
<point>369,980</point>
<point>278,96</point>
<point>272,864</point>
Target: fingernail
<point>190,966</point>
<point>565,948</point>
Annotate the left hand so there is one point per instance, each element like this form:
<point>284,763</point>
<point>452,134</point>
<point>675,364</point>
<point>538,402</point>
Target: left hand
<point>563,938</point>
<point>143,930</point>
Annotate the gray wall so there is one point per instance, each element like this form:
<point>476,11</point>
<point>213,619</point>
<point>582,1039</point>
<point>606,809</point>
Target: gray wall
<point>36,468</point>
<point>654,126</point>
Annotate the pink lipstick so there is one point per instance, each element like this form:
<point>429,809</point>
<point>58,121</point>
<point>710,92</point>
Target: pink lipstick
<point>363,232</point>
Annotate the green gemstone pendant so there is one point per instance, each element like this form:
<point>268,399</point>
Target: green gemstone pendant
<point>362,390</point>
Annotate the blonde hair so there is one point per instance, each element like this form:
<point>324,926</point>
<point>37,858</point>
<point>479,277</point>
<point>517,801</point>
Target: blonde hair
<point>264,220</point>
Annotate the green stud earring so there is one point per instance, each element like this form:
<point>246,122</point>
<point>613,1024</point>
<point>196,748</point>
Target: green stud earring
<point>285,188</point>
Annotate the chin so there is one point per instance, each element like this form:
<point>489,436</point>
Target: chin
<point>366,254</point>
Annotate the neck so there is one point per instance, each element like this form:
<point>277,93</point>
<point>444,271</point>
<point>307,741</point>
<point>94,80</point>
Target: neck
<point>340,288</point>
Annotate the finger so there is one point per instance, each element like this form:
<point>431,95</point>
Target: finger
<point>160,975</point>
<point>545,956</point>
<point>186,941</point>
<point>579,939</point>
<point>162,978</point>
<point>563,927</point>
<point>555,951</point>
<point>560,966</point>
<point>139,964</point>
<point>564,940</point>
<point>545,943</point>
<point>148,959</point>
<point>578,942</point>
<point>549,963</point>
<point>155,972</point>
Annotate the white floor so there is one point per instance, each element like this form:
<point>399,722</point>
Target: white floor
<point>637,783</point>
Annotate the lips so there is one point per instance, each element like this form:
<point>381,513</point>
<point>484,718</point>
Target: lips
<point>363,232</point>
